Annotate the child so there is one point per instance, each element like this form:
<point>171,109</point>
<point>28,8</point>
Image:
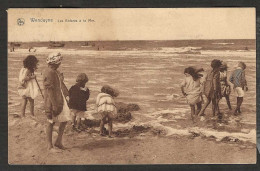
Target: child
<point>55,93</point>
<point>212,89</point>
<point>238,79</point>
<point>192,92</point>
<point>78,96</point>
<point>28,88</point>
<point>225,87</point>
<point>106,107</point>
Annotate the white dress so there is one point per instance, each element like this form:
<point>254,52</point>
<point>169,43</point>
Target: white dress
<point>27,88</point>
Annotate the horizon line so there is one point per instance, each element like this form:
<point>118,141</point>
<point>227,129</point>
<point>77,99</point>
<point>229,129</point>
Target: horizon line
<point>127,40</point>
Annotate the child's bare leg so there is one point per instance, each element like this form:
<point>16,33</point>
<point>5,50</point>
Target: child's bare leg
<point>102,126</point>
<point>198,107</point>
<point>240,101</point>
<point>207,102</point>
<point>110,125</point>
<point>49,135</point>
<point>23,107</point>
<point>228,102</point>
<point>78,121</point>
<point>31,101</point>
<point>192,107</point>
<point>58,142</point>
<point>214,106</point>
<point>236,109</point>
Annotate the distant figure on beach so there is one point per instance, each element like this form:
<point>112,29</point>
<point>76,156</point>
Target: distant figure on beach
<point>28,88</point>
<point>31,49</point>
<point>191,89</point>
<point>212,89</point>
<point>12,49</point>
<point>225,87</point>
<point>238,79</point>
<point>105,105</point>
<point>78,96</point>
<point>56,107</point>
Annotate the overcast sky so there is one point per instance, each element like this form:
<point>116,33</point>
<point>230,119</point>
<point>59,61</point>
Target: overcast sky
<point>133,24</point>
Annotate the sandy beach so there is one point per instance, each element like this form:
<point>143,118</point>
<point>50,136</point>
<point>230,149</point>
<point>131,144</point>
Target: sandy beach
<point>161,132</point>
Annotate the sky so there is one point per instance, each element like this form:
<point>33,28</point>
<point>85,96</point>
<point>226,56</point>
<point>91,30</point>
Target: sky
<point>132,24</point>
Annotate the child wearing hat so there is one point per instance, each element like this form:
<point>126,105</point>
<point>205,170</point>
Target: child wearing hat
<point>55,93</point>
<point>78,96</point>
<point>238,79</point>
<point>105,105</point>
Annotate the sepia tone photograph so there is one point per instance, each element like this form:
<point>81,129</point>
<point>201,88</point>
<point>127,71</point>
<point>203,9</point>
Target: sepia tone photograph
<point>130,86</point>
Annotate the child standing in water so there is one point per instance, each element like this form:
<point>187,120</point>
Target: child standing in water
<point>78,96</point>
<point>105,105</point>
<point>212,89</point>
<point>191,89</point>
<point>28,88</point>
<point>225,87</point>
<point>238,79</point>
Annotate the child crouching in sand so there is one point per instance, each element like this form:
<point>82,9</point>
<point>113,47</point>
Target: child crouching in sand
<point>78,96</point>
<point>191,89</point>
<point>28,88</point>
<point>105,105</point>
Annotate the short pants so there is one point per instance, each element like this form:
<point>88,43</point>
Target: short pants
<point>239,92</point>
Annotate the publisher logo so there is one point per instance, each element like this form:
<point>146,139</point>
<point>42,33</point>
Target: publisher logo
<point>20,21</point>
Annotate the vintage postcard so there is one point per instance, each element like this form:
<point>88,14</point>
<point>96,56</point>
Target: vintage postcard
<point>132,86</point>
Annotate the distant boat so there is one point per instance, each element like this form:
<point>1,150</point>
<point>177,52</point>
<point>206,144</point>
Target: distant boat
<point>86,45</point>
<point>56,44</point>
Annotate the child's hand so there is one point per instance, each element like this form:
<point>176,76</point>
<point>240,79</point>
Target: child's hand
<point>61,77</point>
<point>32,76</point>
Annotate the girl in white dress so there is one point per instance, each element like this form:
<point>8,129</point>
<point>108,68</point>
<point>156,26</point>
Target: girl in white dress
<point>28,88</point>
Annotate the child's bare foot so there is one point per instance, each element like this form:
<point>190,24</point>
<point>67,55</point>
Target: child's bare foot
<point>60,146</point>
<point>102,134</point>
<point>50,147</point>
<point>110,136</point>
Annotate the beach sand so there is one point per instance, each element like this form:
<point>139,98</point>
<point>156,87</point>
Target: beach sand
<point>160,133</point>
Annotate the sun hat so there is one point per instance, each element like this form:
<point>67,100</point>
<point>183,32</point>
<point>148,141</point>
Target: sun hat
<point>54,58</point>
<point>82,77</point>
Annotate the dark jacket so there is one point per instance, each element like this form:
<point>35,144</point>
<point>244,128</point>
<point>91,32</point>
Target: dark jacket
<point>53,99</point>
<point>78,98</point>
<point>212,88</point>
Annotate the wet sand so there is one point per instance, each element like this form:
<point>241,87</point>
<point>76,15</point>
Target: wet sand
<point>161,132</point>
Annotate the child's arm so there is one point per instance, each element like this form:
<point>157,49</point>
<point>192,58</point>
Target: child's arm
<point>231,78</point>
<point>87,94</point>
<point>243,81</point>
<point>48,83</point>
<point>183,92</point>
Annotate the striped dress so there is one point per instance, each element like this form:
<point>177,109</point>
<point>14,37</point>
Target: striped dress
<point>105,103</point>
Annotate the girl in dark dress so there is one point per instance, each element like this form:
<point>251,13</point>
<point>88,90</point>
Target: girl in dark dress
<point>212,89</point>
